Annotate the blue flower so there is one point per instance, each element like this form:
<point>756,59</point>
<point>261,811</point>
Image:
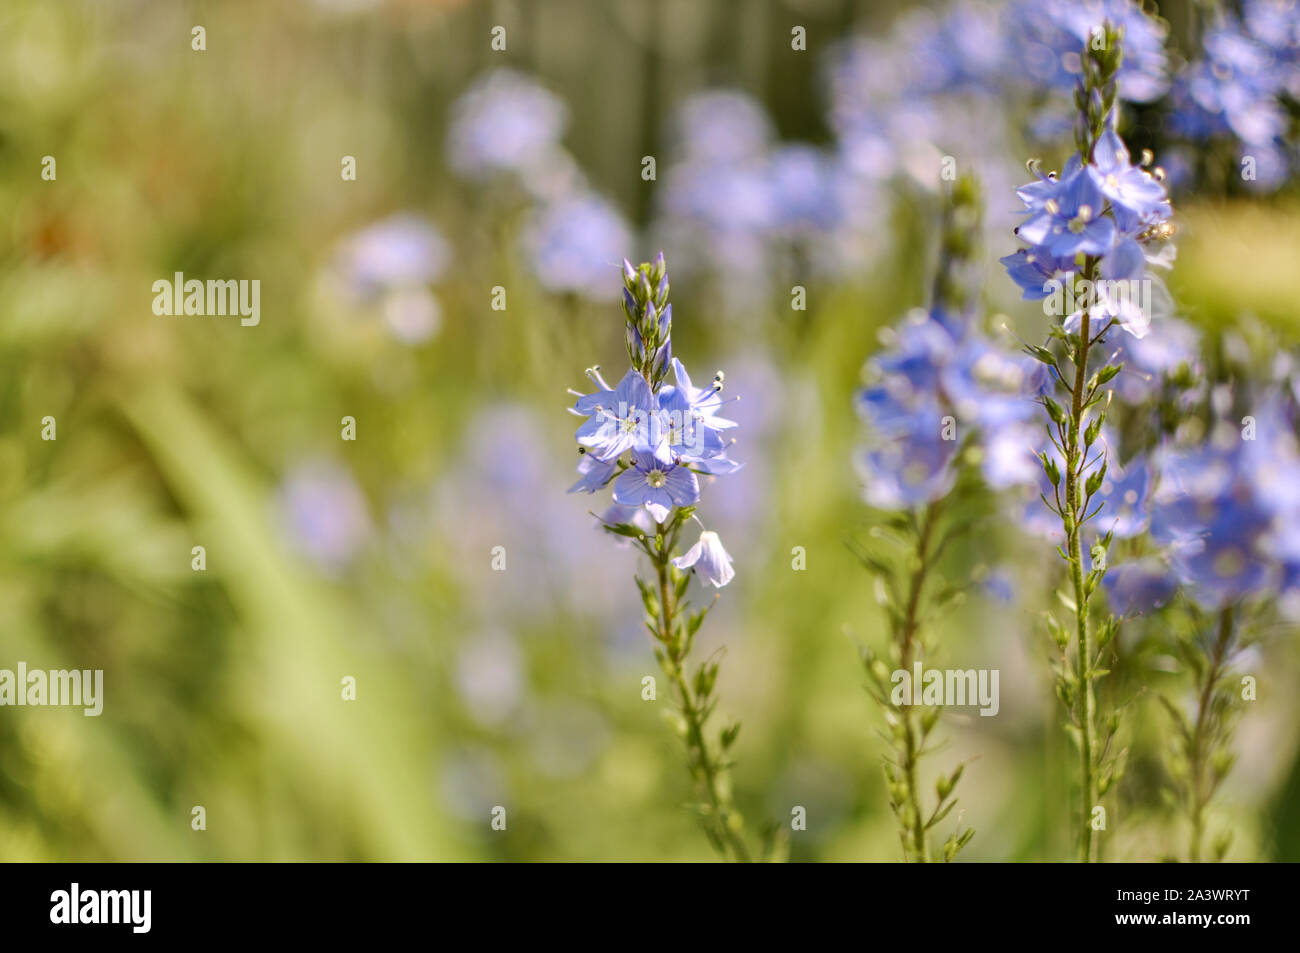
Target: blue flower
<point>324,514</point>
<point>941,378</point>
<point>402,251</point>
<point>1217,528</point>
<point>990,387</point>
<point>1276,25</point>
<point>1070,219</point>
<point>722,125</point>
<point>1139,587</point>
<point>650,437</point>
<point>1237,84</point>
<point>1136,196</point>
<point>1033,270</point>
<point>1148,360</point>
<point>656,485</point>
<point>911,470</point>
<point>1123,496</point>
<point>1051,33</point>
<point>593,474</point>
<point>1108,209</point>
<point>622,424</point>
<point>506,123</point>
<point>708,558</point>
<point>574,244</point>
<point>700,404</point>
<point>1225,563</point>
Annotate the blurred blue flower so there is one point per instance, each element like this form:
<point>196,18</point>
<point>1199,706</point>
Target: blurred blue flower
<point>323,514</point>
<point>1123,498</point>
<point>1148,360</point>
<point>389,265</point>
<point>1050,35</point>
<point>1234,87</point>
<point>402,251</point>
<point>575,244</point>
<point>1139,587</point>
<point>722,126</point>
<point>804,181</point>
<point>1234,91</point>
<point>1276,25</point>
<point>1217,527</point>
<point>939,377</point>
<point>504,123</point>
<point>913,469</point>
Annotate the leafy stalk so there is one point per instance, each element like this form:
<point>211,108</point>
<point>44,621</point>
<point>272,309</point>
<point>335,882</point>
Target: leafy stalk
<point>906,591</point>
<point>1074,432</point>
<point>673,627</point>
<point>904,588</point>
<point>1201,745</point>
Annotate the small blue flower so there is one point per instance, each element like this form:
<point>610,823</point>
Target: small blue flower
<point>1136,196</point>
<point>402,251</point>
<point>593,474</point>
<point>1033,270</point>
<point>1139,587</point>
<point>625,423</point>
<point>573,244</point>
<point>506,123</point>
<point>1070,220</point>
<point>708,558</point>
<point>656,485</point>
<point>1148,360</point>
<point>909,471</point>
<point>649,437</point>
<point>1217,528</point>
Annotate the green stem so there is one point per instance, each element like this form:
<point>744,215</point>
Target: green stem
<point>1199,792</point>
<point>710,773</point>
<point>907,649</point>
<point>1087,700</point>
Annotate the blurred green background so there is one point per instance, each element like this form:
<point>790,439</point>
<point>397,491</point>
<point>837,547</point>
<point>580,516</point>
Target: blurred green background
<point>475,688</point>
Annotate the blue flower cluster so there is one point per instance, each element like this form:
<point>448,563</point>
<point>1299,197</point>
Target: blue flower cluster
<point>505,124</point>
<point>940,383</point>
<point>739,200</point>
<point>654,439</point>
<point>1107,209</point>
<point>1226,511</point>
<point>506,129</point>
<point>1049,36</point>
<point>1234,90</point>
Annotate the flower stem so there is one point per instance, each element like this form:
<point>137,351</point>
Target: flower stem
<point>722,818</point>
<point>1199,790</point>
<point>1086,703</point>
<point>907,638</point>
